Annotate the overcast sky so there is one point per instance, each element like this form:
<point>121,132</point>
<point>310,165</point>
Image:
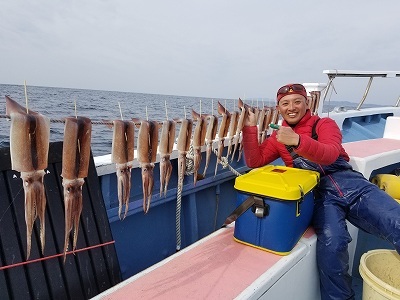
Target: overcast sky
<point>208,48</point>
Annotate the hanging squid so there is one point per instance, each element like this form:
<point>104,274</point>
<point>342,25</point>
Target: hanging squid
<point>165,148</point>
<point>222,132</point>
<point>260,125</point>
<point>256,110</point>
<point>183,145</point>
<point>199,137</point>
<point>245,108</point>
<point>122,154</point>
<point>29,147</point>
<point>232,130</point>
<point>147,153</point>
<point>211,132</point>
<point>75,166</point>
<point>314,103</point>
<point>265,125</point>
<point>239,126</point>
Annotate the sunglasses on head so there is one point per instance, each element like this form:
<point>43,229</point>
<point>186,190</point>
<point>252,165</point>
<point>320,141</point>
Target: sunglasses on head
<point>291,87</point>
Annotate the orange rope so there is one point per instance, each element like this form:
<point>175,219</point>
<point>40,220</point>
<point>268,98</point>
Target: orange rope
<point>54,256</point>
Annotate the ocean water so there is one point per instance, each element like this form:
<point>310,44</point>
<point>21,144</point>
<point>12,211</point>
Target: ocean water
<point>58,103</point>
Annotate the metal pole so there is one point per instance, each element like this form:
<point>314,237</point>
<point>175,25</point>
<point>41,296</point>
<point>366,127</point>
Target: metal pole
<point>365,93</point>
<point>327,88</point>
<point>398,102</point>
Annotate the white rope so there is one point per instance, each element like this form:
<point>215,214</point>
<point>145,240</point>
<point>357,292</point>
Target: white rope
<point>190,161</point>
<point>188,171</point>
<point>178,213</point>
<point>225,164</point>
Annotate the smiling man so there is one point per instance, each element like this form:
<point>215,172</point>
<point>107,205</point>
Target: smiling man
<point>308,142</point>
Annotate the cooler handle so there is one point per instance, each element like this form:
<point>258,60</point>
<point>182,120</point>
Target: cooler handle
<point>298,208</point>
<point>259,208</point>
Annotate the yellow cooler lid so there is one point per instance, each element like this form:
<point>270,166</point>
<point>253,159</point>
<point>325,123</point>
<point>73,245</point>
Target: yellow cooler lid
<point>279,182</point>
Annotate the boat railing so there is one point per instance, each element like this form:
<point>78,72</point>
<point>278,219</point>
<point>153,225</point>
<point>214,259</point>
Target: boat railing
<point>332,74</point>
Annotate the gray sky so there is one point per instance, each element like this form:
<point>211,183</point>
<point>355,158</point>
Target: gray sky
<point>221,49</point>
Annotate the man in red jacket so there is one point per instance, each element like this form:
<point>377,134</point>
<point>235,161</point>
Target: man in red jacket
<point>308,142</point>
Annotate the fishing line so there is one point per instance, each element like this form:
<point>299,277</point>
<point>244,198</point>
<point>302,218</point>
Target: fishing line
<point>94,122</point>
<point>55,256</point>
<point>11,203</point>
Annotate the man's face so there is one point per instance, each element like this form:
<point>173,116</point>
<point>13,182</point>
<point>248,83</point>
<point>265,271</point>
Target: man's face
<point>292,108</point>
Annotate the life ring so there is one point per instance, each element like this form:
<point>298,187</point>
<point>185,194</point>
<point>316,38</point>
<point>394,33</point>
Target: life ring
<point>389,183</point>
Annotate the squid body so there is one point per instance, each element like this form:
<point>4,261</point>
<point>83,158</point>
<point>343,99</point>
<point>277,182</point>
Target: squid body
<point>211,132</point>
<point>183,146</point>
<point>122,154</point>
<point>222,132</point>
<point>165,148</point>
<point>75,166</point>
<point>29,147</point>
<point>199,137</point>
<point>147,153</point>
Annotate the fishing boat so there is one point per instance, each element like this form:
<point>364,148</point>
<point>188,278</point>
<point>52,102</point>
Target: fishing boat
<point>182,252</point>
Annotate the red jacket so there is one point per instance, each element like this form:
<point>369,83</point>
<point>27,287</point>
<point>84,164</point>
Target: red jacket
<point>324,151</point>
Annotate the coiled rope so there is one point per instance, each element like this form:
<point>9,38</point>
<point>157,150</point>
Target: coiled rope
<point>188,171</point>
<point>225,164</point>
<point>178,213</point>
<point>190,161</point>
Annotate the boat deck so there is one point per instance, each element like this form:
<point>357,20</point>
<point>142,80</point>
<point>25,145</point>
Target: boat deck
<point>364,154</point>
<point>217,267</point>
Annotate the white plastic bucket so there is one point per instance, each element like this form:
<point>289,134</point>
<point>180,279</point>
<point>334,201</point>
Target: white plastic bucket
<point>380,270</point>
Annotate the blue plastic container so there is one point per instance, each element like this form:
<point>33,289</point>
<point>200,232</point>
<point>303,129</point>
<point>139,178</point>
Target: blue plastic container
<point>287,194</point>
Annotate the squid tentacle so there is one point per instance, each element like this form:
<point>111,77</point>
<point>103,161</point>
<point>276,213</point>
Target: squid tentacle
<point>124,187</point>
<point>35,205</point>
<point>165,173</point>
<point>148,184</point>
<point>73,208</point>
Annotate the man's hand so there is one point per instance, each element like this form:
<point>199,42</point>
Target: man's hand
<point>250,118</point>
<point>286,135</point>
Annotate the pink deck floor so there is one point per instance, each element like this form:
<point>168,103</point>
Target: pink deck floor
<point>371,147</point>
<point>217,268</point>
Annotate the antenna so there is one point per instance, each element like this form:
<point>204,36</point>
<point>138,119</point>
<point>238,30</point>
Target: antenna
<point>76,115</point>
<point>120,110</point>
<point>26,98</point>
<point>166,110</point>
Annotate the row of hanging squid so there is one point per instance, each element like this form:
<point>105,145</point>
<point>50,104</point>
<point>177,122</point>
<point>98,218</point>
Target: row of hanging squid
<point>29,146</point>
<point>149,143</point>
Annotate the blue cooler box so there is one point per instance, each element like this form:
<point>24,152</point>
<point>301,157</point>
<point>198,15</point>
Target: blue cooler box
<point>283,210</point>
